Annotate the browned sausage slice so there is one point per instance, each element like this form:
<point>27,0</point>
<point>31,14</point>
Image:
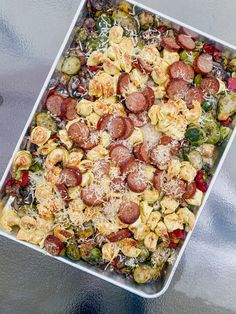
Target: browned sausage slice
<point>137,182</point>
<point>63,192</point>
<point>92,195</point>
<point>142,66</point>
<point>181,70</point>
<point>161,155</point>
<point>78,132</point>
<point>186,42</point>
<point>101,168</point>
<point>54,104</point>
<point>70,110</point>
<point>190,190</point>
<point>119,235</point>
<point>194,93</point>
<point>190,33</point>
<point>53,245</point>
<point>174,188</point>
<point>139,119</point>
<point>129,212</point>
<point>129,128</point>
<point>123,83</point>
<point>177,89</point>
<point>117,127</point>
<point>203,64</point>
<point>141,152</point>
<point>91,142</point>
<point>210,85</point>
<point>130,166</point>
<point>71,177</point>
<point>149,95</point>
<point>158,180</point>
<point>136,102</point>
<point>120,155</point>
<point>170,44</point>
<point>104,121</point>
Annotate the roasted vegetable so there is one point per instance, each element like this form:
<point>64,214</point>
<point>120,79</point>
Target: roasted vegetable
<point>224,133</point>
<point>226,106</point>
<point>45,120</point>
<point>144,255</point>
<point>196,136</point>
<point>72,251</point>
<point>97,43</point>
<point>104,23</point>
<point>93,257</point>
<point>145,273</point>
<point>126,21</point>
<point>232,65</point>
<point>86,231</point>
<point>71,65</point>
<point>81,35</point>
<point>211,128</point>
<point>22,160</point>
<point>146,20</point>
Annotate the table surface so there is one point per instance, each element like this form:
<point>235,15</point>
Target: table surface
<point>31,33</point>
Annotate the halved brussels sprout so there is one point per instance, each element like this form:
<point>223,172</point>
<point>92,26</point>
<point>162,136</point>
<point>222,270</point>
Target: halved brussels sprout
<point>198,79</point>
<point>71,65</point>
<point>145,273</point>
<point>72,251</point>
<point>86,231</point>
<point>81,35</point>
<point>196,136</point>
<point>232,65</point>
<point>146,20</point>
<point>97,43</point>
<point>126,21</point>
<point>104,23</point>
<point>144,255</point>
<point>207,105</point>
<point>226,106</point>
<point>224,133</point>
<point>22,160</point>
<point>93,257</point>
<point>211,128</point>
<point>45,120</point>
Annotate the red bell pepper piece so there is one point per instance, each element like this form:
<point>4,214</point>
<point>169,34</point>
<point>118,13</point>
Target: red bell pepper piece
<point>25,179</point>
<point>178,234</point>
<point>232,84</point>
<point>94,68</point>
<point>173,245</point>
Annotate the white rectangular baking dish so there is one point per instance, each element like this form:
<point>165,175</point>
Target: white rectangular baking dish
<point>157,288</point>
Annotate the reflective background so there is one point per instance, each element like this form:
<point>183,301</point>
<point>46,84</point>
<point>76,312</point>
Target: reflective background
<point>31,32</point>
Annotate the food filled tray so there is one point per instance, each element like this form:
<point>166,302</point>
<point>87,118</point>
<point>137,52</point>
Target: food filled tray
<point>122,146</point>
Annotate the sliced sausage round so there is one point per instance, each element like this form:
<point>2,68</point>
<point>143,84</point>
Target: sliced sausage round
<point>129,128</point>
<point>139,119</point>
<point>54,104</point>
<point>104,121</point>
<point>136,102</point>
<point>177,89</point>
<point>142,66</point>
<point>78,132</point>
<point>92,195</point>
<point>210,85</point>
<point>165,140</point>
<point>129,166</point>
<point>123,83</point>
<point>53,245</point>
<point>190,190</point>
<point>186,42</point>
<point>71,177</point>
<point>174,188</point>
<point>142,152</point>
<point>70,108</point>
<point>170,44</point>
<point>181,70</point>
<point>63,192</point>
<point>161,155</point>
<point>120,155</point>
<point>91,142</point>
<point>149,95</point>
<point>119,235</point>
<point>203,64</point>
<point>117,127</point>
<point>101,168</point>
<point>129,212</point>
<point>190,33</point>
<point>194,93</point>
<point>158,179</point>
<point>137,182</point>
